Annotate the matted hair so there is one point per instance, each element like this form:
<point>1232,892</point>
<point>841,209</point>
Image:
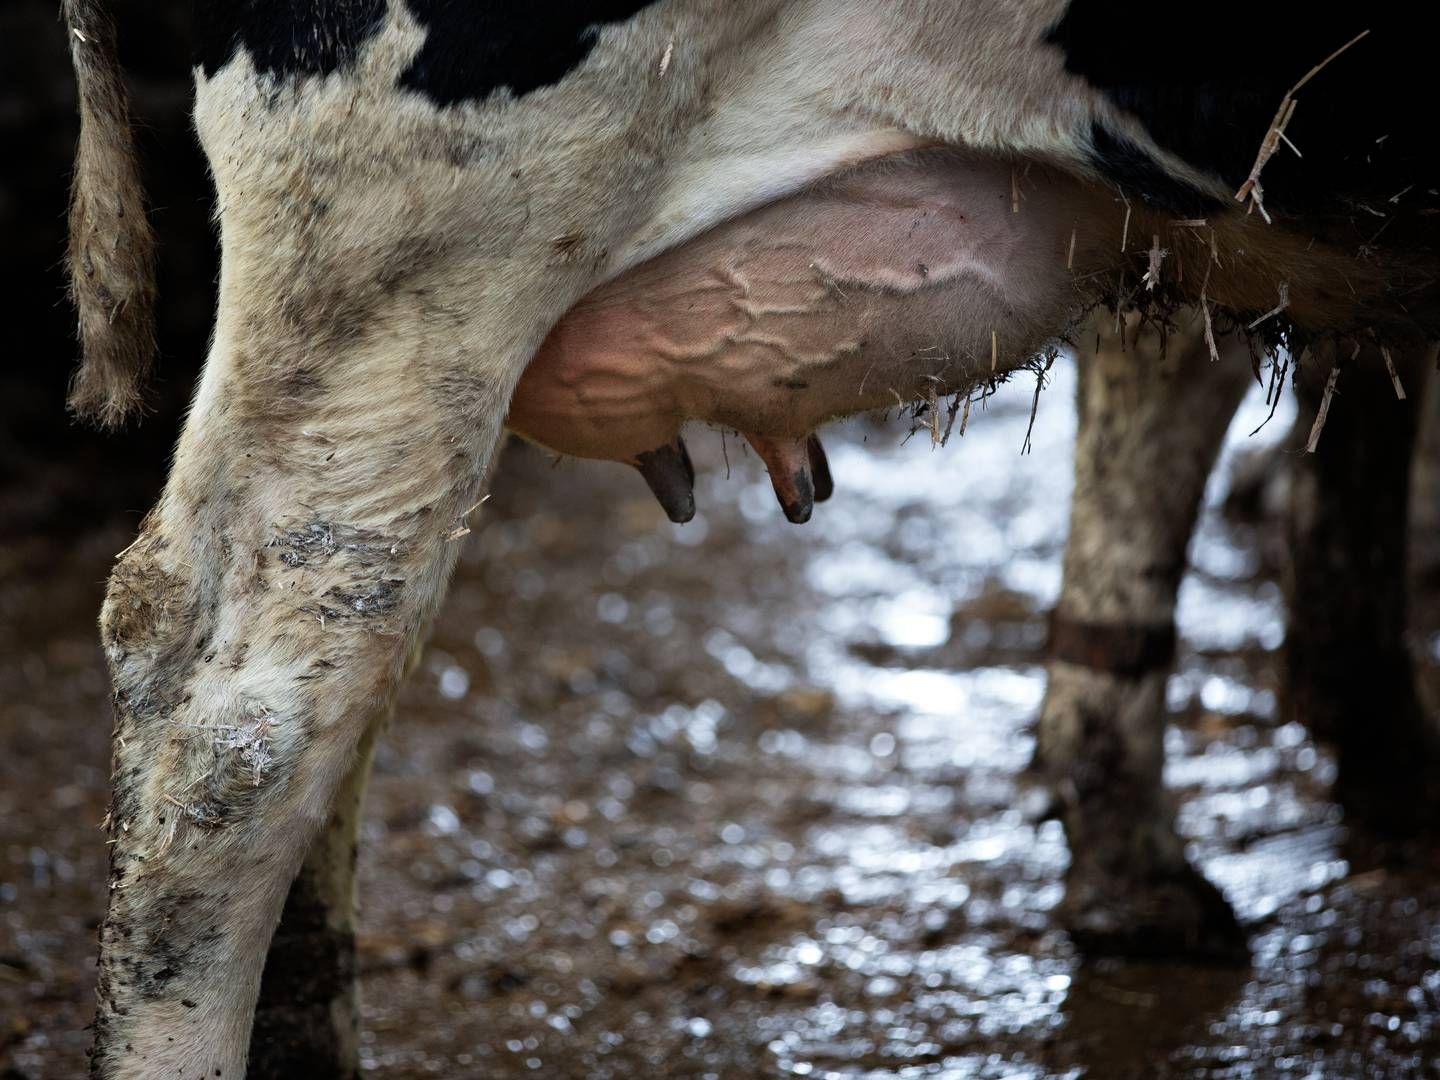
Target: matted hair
<point>112,246</point>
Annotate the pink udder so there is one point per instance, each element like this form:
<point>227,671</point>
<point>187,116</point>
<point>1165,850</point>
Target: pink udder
<point>894,281</point>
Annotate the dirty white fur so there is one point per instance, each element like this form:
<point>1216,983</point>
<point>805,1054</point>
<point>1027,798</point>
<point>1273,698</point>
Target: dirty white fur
<point>388,269</point>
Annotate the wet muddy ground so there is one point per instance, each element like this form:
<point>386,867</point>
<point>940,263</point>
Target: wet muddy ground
<point>740,799</point>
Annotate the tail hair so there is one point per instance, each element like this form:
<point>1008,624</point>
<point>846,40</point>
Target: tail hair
<point>112,246</point>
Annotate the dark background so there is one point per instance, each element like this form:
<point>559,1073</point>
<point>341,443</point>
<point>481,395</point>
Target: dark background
<point>57,476</point>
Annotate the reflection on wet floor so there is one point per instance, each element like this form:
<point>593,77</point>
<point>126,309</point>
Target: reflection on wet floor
<point>741,799</point>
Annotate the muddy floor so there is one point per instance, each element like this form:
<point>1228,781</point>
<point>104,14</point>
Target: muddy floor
<point>740,799</point>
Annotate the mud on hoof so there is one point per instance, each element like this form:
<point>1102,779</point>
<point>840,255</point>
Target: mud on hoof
<point>1178,916</point>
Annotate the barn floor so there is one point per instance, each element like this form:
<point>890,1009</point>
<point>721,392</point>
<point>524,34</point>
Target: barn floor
<point>740,799</point>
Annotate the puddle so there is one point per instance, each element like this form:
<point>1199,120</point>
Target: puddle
<point>740,799</point>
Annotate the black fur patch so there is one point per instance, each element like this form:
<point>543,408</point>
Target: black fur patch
<point>1206,88</point>
<point>284,37</point>
<point>473,49</point>
<point>1139,174</point>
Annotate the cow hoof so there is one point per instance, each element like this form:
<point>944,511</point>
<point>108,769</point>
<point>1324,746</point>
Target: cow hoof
<point>1177,917</point>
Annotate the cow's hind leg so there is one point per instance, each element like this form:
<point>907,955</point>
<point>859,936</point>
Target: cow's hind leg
<point>256,631</point>
<point>1424,536</point>
<point>1152,417</point>
<point>1349,675</point>
<point>307,1021</point>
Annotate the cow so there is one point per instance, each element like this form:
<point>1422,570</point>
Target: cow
<point>1155,402</point>
<point>413,194</point>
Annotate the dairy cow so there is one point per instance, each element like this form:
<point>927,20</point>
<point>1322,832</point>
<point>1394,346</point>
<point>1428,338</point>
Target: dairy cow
<point>738,213</point>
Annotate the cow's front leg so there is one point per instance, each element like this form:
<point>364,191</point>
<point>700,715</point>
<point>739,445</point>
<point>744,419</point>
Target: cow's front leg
<point>256,631</point>
<point>1152,417</point>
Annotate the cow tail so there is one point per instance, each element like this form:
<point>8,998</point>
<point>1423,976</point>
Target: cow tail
<point>112,246</point>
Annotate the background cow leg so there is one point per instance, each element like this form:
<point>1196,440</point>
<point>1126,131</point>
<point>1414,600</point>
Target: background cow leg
<point>1152,416</point>
<point>307,1020</point>
<point>1425,543</point>
<point>1349,675</point>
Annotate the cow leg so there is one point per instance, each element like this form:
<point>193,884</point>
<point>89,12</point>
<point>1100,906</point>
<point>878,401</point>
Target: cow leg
<point>1349,675</point>
<point>256,630</point>
<point>1151,419</point>
<point>1424,535</point>
<point>307,1021</point>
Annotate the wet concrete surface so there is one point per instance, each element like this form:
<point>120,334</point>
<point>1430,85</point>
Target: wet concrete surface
<point>744,799</point>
